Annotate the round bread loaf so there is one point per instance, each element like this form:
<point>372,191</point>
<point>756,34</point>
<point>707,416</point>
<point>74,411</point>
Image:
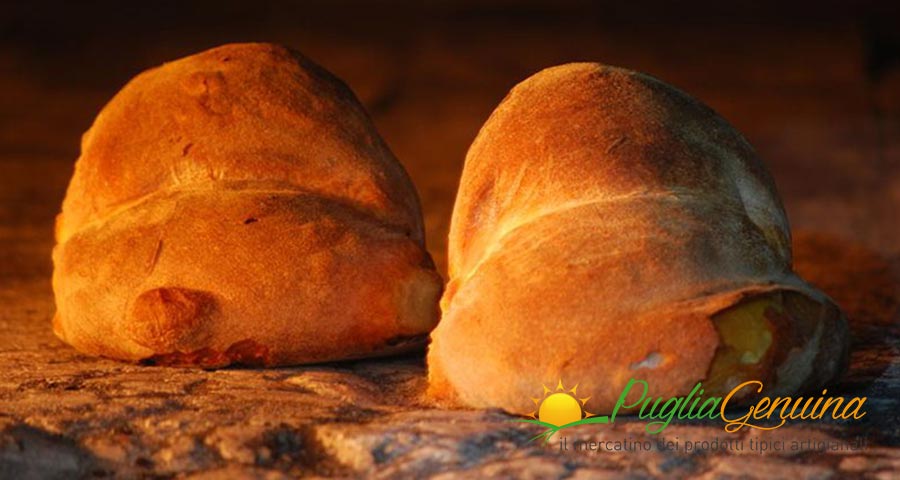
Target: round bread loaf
<point>610,227</point>
<point>238,206</point>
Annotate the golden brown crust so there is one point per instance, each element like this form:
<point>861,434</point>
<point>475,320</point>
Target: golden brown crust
<point>237,112</point>
<point>603,218</point>
<point>237,206</point>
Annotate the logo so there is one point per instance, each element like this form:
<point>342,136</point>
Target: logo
<point>560,409</point>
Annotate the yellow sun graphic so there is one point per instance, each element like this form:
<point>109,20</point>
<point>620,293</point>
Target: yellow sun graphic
<point>560,407</point>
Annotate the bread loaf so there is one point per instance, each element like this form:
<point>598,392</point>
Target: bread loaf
<point>238,206</point>
<point>610,227</point>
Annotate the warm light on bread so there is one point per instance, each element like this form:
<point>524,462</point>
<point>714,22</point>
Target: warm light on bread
<point>610,227</point>
<point>238,206</point>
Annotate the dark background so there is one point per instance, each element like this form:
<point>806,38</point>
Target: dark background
<point>814,86</point>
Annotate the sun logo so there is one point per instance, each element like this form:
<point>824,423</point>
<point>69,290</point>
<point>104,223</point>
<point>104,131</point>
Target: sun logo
<point>560,408</point>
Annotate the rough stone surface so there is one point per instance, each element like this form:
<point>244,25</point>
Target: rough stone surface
<point>831,135</point>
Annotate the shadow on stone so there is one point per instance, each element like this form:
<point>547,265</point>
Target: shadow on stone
<point>27,452</point>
